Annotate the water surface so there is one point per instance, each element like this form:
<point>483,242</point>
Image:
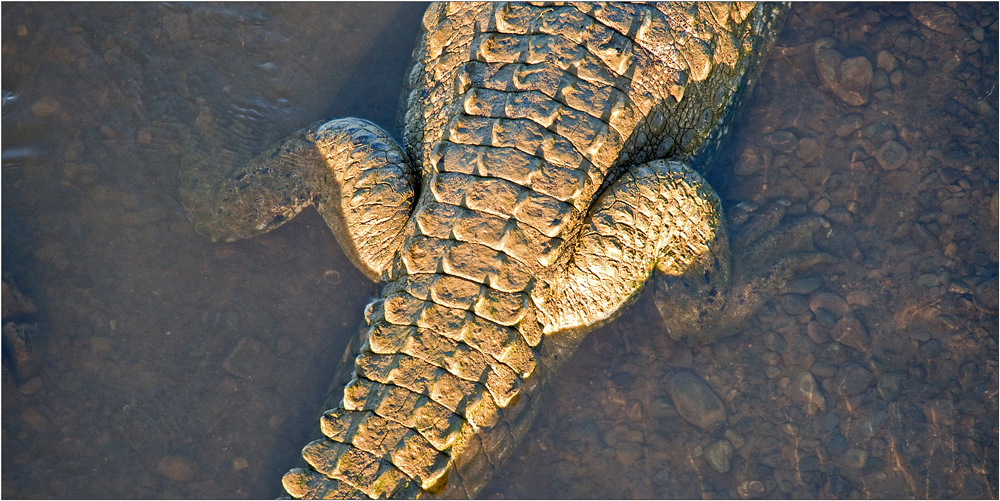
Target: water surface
<point>164,365</point>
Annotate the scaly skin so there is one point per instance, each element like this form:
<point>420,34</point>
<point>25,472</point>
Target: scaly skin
<point>557,149</point>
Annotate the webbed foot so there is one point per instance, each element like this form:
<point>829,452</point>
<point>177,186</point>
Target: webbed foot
<point>705,303</point>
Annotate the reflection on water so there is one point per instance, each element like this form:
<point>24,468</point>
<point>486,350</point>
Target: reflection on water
<point>163,365</point>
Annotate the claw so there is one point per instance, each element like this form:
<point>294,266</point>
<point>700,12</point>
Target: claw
<point>766,249</point>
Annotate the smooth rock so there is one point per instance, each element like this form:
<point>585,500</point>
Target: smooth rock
<point>851,379</point>
<point>985,295</point>
<point>751,489</point>
<point>854,458</point>
<point>886,61</point>
<point>808,463</point>
<point>808,149</point>
<point>660,408</point>
<point>956,206</point>
<point>735,438</point>
<point>935,16</point>
<point>848,331</point>
<point>848,79</point>
<point>891,155</point>
<point>784,141</point>
<point>848,124</point>
<point>940,412</point>
<point>805,389</point>
<point>817,333</point>
<point>719,454</point>
<point>879,132</point>
<point>806,285</point>
<point>45,107</point>
<point>794,304</point>
<point>840,488</point>
<point>823,369</point>
<point>695,401</point>
<point>832,302</point>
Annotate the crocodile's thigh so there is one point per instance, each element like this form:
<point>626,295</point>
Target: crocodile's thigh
<point>660,214</point>
<point>367,193</point>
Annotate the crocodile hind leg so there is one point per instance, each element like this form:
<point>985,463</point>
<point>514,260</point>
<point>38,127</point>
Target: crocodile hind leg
<point>661,214</point>
<point>352,171</point>
<point>664,216</point>
<point>701,304</point>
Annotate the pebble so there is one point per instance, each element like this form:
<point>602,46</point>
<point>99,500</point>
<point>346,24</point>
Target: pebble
<point>956,206</point>
<point>660,408</point>
<point>817,333</point>
<point>986,294</point>
<point>808,150</point>
<point>177,468</point>
<point>840,488</point>
<point>144,137</point>
<point>774,341</point>
<point>240,463</point>
<point>830,421</point>
<point>808,463</point>
<point>879,132</point>
<point>829,301</point>
<point>916,66</point>
<point>751,489</point>
<point>719,454</point>
<point>751,161</point>
<point>851,379</point>
<point>886,61</point>
<point>794,304</point>
<point>848,79</point>
<point>825,318</point>
<point>870,423</point>
<point>848,331</point>
<point>45,107</point>
<point>804,388</point>
<point>784,141</point>
<point>854,458</point>
<point>695,401</point>
<point>935,16</point>
<point>891,155</point>
<point>805,285</point>
<point>940,412</point>
<point>628,453</point>
<point>735,438</point>
<point>860,298</point>
<point>34,384</point>
<point>848,124</point>
<point>823,369</point>
<point>821,206</point>
<point>35,419</point>
<point>840,216</point>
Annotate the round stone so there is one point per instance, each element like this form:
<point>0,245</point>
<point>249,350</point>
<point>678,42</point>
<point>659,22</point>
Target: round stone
<point>832,302</point>
<point>695,401</point>
<point>852,379</point>
<point>719,454</point>
<point>891,155</point>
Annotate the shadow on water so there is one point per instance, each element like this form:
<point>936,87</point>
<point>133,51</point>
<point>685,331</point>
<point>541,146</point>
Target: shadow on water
<point>153,363</point>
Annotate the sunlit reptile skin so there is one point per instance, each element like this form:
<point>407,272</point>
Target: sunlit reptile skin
<point>535,218</point>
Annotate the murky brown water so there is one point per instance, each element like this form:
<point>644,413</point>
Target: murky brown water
<point>164,365</point>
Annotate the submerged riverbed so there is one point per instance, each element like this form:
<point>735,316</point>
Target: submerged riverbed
<point>153,363</point>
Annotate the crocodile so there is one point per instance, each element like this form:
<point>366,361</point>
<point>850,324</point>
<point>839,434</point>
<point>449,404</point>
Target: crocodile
<point>552,162</point>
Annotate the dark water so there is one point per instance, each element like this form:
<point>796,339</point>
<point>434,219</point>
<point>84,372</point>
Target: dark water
<point>164,365</point>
